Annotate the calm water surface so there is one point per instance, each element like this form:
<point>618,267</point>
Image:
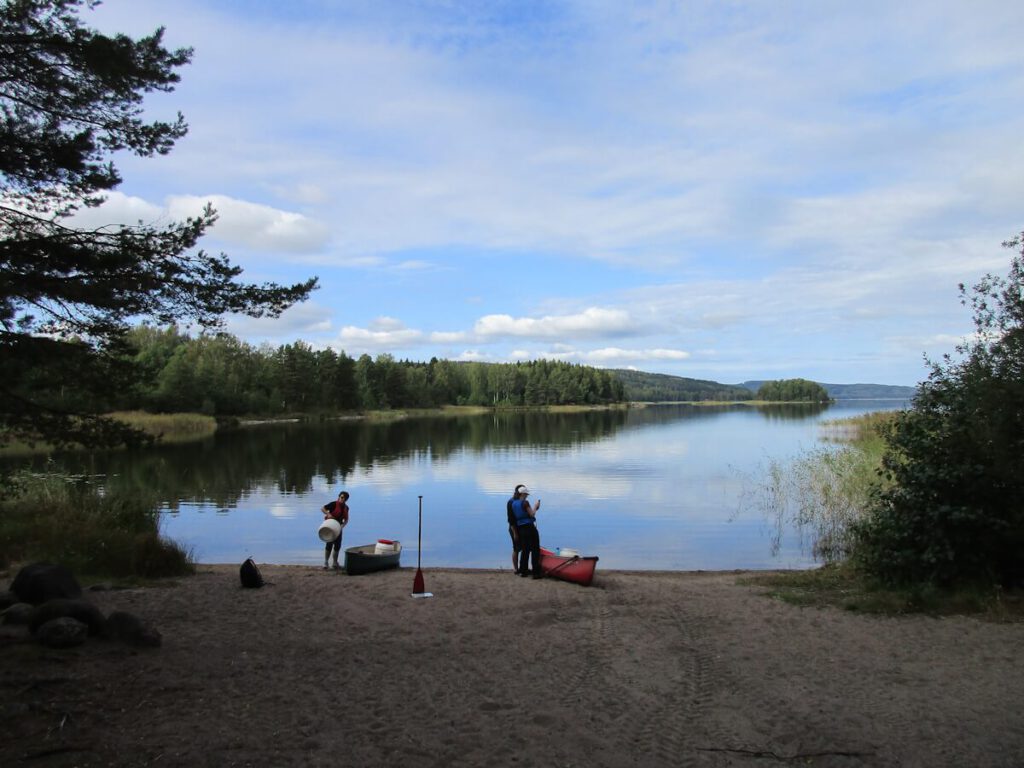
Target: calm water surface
<point>666,487</point>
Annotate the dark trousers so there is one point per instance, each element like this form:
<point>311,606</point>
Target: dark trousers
<point>529,546</point>
<point>335,545</point>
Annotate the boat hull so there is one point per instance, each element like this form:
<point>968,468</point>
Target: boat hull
<point>363,559</point>
<point>579,570</point>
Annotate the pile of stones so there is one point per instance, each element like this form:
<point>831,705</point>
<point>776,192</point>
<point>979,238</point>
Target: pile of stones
<point>47,601</point>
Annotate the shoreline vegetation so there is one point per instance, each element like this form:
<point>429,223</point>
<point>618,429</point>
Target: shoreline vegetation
<point>824,491</point>
<point>51,517</point>
<point>183,427</point>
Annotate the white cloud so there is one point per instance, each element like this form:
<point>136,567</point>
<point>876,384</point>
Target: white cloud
<point>255,225</point>
<point>251,224</point>
<point>300,321</point>
<point>615,355</point>
<point>594,321</point>
<point>386,324</point>
<point>365,339</point>
<point>119,209</point>
<point>473,356</point>
<point>448,337</point>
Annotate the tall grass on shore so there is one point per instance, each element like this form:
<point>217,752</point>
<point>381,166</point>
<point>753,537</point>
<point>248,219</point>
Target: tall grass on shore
<point>165,427</point>
<point>169,426</point>
<point>55,518</point>
<point>822,492</point>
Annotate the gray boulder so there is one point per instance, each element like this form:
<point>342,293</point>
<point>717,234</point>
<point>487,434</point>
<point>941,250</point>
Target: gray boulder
<point>131,630</point>
<point>17,614</point>
<point>80,610</point>
<point>7,599</point>
<point>39,582</point>
<point>62,632</point>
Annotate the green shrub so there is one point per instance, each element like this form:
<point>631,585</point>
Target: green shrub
<point>953,511</point>
<point>58,519</point>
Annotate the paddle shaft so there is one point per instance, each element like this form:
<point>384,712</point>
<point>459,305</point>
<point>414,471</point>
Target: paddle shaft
<point>560,566</point>
<point>417,582</point>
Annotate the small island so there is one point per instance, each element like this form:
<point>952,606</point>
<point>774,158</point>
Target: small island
<point>793,391</point>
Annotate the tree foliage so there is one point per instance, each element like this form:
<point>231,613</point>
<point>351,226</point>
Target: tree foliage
<point>220,375</point>
<point>70,98</point>
<point>954,512</point>
<point>793,391</point>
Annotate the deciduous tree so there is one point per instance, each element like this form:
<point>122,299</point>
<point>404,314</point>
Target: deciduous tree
<point>954,511</point>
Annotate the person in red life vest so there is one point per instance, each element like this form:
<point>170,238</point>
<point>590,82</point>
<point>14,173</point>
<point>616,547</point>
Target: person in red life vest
<point>336,510</point>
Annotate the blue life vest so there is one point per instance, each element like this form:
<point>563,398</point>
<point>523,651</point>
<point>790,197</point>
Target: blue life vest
<point>522,516</point>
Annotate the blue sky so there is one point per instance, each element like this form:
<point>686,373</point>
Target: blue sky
<point>726,191</point>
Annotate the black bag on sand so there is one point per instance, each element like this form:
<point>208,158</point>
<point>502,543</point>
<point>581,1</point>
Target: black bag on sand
<point>250,575</point>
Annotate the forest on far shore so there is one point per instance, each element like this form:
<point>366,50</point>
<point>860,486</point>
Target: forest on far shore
<point>221,375</point>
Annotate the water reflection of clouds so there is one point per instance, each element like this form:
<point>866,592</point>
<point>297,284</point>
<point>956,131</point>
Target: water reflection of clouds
<point>677,495</point>
<point>392,477</point>
<point>565,482</point>
<point>282,511</point>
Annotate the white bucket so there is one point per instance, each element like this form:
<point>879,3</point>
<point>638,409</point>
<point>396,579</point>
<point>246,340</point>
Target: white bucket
<point>384,547</point>
<point>330,530</point>
<point>567,552</point>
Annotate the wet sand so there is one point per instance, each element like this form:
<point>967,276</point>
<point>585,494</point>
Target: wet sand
<point>641,669</point>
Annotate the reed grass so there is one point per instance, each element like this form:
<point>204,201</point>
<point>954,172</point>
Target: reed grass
<point>169,426</point>
<point>825,490</point>
<point>59,519</point>
<point>166,427</point>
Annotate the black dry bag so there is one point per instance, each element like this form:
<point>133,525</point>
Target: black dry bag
<point>250,574</point>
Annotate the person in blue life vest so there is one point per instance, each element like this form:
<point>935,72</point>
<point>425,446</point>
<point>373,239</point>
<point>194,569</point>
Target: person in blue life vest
<point>337,510</point>
<point>529,537</point>
<point>513,531</point>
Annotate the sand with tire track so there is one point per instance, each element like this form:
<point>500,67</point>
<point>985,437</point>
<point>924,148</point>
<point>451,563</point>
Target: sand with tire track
<point>641,669</point>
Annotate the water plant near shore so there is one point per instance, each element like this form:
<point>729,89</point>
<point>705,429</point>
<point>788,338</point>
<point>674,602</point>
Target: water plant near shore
<point>823,492</point>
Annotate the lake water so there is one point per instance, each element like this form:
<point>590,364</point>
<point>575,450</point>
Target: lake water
<point>669,487</point>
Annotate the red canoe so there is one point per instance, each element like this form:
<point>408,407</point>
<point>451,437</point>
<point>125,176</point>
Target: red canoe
<point>579,570</point>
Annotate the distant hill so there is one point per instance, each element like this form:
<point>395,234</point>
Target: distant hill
<point>660,387</point>
<point>853,391</point>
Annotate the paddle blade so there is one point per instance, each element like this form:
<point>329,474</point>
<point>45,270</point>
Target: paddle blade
<point>417,583</point>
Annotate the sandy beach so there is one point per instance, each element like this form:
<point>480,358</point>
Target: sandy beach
<point>641,669</point>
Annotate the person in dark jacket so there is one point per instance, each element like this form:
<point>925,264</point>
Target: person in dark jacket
<point>513,529</point>
<point>529,538</point>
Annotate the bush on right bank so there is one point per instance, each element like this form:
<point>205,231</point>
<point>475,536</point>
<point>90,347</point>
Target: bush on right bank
<point>951,512</point>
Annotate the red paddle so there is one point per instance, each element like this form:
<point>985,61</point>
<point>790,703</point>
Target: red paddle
<point>417,583</point>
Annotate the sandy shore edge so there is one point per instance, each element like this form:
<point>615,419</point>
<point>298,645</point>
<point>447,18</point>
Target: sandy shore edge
<point>643,668</point>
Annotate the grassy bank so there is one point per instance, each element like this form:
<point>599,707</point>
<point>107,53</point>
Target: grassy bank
<point>169,427</point>
<point>822,493</point>
<point>165,427</point>
<point>98,535</point>
<point>842,586</point>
